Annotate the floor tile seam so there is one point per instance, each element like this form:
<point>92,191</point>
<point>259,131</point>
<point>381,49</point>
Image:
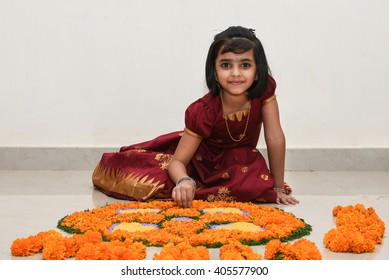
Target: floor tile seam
<point>341,186</point>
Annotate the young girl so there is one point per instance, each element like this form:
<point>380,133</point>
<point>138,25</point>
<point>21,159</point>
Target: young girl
<point>215,157</point>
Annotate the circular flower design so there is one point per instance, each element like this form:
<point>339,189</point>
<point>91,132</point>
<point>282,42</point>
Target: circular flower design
<point>124,230</point>
<point>209,224</point>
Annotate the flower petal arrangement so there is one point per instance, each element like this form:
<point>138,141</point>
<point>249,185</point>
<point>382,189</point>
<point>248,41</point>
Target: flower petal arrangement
<point>124,230</point>
<point>88,246</point>
<point>358,230</point>
<point>238,251</point>
<point>182,251</point>
<point>302,249</point>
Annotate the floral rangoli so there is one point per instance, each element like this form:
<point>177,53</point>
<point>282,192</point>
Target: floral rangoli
<point>124,230</point>
<point>114,228</point>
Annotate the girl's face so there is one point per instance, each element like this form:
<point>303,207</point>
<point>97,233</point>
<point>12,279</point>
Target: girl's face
<point>236,72</point>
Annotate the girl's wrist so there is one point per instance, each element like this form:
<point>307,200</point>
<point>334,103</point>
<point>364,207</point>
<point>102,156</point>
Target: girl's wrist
<point>186,178</point>
<point>281,190</point>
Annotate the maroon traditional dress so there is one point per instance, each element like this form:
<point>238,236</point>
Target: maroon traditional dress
<point>222,168</point>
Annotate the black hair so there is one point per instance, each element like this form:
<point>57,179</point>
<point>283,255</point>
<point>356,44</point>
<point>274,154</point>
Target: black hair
<point>238,39</point>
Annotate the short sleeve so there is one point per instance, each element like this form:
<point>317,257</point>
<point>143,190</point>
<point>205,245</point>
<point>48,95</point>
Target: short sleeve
<point>269,94</point>
<point>199,119</point>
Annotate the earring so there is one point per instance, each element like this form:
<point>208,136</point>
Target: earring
<point>256,78</point>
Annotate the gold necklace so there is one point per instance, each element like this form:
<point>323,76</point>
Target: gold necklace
<point>225,116</point>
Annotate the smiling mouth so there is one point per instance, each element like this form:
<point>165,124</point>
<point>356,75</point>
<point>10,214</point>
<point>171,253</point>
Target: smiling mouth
<point>236,83</point>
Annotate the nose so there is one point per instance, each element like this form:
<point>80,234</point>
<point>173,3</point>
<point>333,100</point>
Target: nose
<point>235,72</point>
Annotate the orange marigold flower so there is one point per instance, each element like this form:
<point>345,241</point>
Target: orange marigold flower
<point>88,237</point>
<point>53,246</point>
<point>120,253</point>
<point>183,228</point>
<point>357,230</point>
<point>246,222</point>
<point>182,251</point>
<point>181,212</point>
<point>23,247</point>
<point>70,247</point>
<point>88,252</point>
<point>238,251</point>
<point>31,245</point>
<point>302,249</point>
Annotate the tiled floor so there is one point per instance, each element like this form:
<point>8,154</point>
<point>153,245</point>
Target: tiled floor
<point>33,201</point>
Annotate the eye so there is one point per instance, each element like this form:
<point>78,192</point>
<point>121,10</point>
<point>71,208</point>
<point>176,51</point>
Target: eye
<point>225,65</point>
<point>246,65</point>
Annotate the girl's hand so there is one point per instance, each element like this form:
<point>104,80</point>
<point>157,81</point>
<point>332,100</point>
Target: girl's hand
<point>285,199</point>
<point>183,194</point>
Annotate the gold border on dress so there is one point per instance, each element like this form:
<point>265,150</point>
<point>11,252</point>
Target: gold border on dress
<point>133,184</point>
<point>194,134</point>
<point>238,115</point>
<point>270,99</point>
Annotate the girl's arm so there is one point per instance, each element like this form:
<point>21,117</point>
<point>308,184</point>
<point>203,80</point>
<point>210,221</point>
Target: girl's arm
<point>184,192</point>
<point>275,142</point>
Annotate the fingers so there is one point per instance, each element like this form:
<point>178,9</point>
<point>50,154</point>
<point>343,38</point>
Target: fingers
<point>183,195</point>
<point>176,196</point>
<point>186,202</point>
<point>286,199</point>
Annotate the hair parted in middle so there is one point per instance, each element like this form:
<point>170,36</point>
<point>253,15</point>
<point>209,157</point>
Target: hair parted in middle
<point>238,39</point>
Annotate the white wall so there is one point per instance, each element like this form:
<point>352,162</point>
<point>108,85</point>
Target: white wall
<point>109,73</point>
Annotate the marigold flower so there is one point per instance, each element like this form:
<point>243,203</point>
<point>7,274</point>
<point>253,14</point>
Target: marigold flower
<point>53,248</point>
<point>238,251</point>
<point>23,247</point>
<point>93,237</point>
<point>302,249</point>
<point>357,230</point>
<point>182,251</point>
